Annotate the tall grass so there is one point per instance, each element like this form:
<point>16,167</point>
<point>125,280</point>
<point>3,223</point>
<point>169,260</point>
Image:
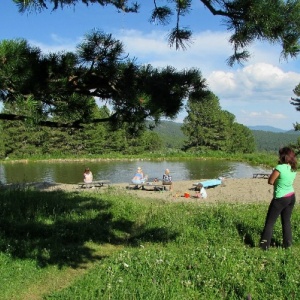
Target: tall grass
<point>159,250</point>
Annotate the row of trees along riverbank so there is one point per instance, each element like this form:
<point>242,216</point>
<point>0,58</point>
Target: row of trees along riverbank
<point>207,127</point>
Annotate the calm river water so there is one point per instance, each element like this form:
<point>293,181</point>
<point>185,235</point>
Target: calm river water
<point>123,171</point>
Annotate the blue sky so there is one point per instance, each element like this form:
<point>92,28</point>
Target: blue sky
<point>257,93</point>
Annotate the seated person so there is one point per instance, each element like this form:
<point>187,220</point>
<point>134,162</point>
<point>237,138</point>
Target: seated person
<point>87,176</point>
<point>139,177</point>
<point>167,179</point>
<point>200,191</point>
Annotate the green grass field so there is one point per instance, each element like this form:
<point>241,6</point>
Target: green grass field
<point>57,245</point>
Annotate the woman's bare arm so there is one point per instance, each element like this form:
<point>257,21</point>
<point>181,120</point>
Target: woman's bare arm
<point>273,177</point>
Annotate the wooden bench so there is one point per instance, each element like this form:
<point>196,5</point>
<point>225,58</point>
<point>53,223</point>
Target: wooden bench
<point>261,175</point>
<point>134,186</point>
<point>94,184</point>
<point>156,186</point>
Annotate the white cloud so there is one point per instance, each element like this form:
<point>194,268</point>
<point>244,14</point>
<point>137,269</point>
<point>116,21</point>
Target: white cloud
<point>223,82</point>
<point>268,76</point>
<point>263,81</point>
<point>264,114</point>
<point>57,44</point>
<point>152,48</point>
<point>266,117</point>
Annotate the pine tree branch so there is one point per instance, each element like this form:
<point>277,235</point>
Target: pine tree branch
<point>76,124</point>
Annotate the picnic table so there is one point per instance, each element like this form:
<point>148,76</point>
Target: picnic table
<point>156,186</point>
<point>261,175</point>
<point>93,184</point>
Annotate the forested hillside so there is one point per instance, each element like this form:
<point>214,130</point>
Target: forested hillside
<point>272,141</point>
<point>171,134</point>
<point>173,137</point>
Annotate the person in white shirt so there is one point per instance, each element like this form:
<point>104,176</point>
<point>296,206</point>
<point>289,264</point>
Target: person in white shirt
<point>200,191</point>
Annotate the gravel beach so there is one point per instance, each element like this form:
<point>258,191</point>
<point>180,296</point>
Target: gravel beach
<point>245,190</point>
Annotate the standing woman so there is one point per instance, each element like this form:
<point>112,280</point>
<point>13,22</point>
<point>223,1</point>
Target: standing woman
<point>283,201</point>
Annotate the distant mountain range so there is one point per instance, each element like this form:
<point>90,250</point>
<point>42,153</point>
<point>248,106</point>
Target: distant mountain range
<point>176,126</point>
<point>266,128</point>
<point>271,129</point>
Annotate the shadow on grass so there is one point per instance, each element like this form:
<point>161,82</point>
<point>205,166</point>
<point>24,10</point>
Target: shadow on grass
<point>155,235</point>
<point>53,227</point>
<point>246,233</point>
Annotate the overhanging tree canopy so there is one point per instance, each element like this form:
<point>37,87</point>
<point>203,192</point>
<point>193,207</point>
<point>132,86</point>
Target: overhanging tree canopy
<point>275,21</point>
<point>65,85</point>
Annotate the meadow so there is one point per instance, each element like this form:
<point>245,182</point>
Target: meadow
<point>77,245</point>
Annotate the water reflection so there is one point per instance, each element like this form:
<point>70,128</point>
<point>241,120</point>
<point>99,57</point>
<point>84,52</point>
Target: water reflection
<point>123,171</point>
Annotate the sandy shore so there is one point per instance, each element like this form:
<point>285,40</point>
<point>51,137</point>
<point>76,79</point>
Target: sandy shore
<point>247,190</point>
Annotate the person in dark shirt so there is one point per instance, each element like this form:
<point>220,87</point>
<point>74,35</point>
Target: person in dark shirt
<point>167,179</point>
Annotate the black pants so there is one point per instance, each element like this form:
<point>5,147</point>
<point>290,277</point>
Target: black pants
<point>283,207</point>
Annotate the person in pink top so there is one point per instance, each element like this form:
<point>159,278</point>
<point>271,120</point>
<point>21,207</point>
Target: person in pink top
<point>87,176</point>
